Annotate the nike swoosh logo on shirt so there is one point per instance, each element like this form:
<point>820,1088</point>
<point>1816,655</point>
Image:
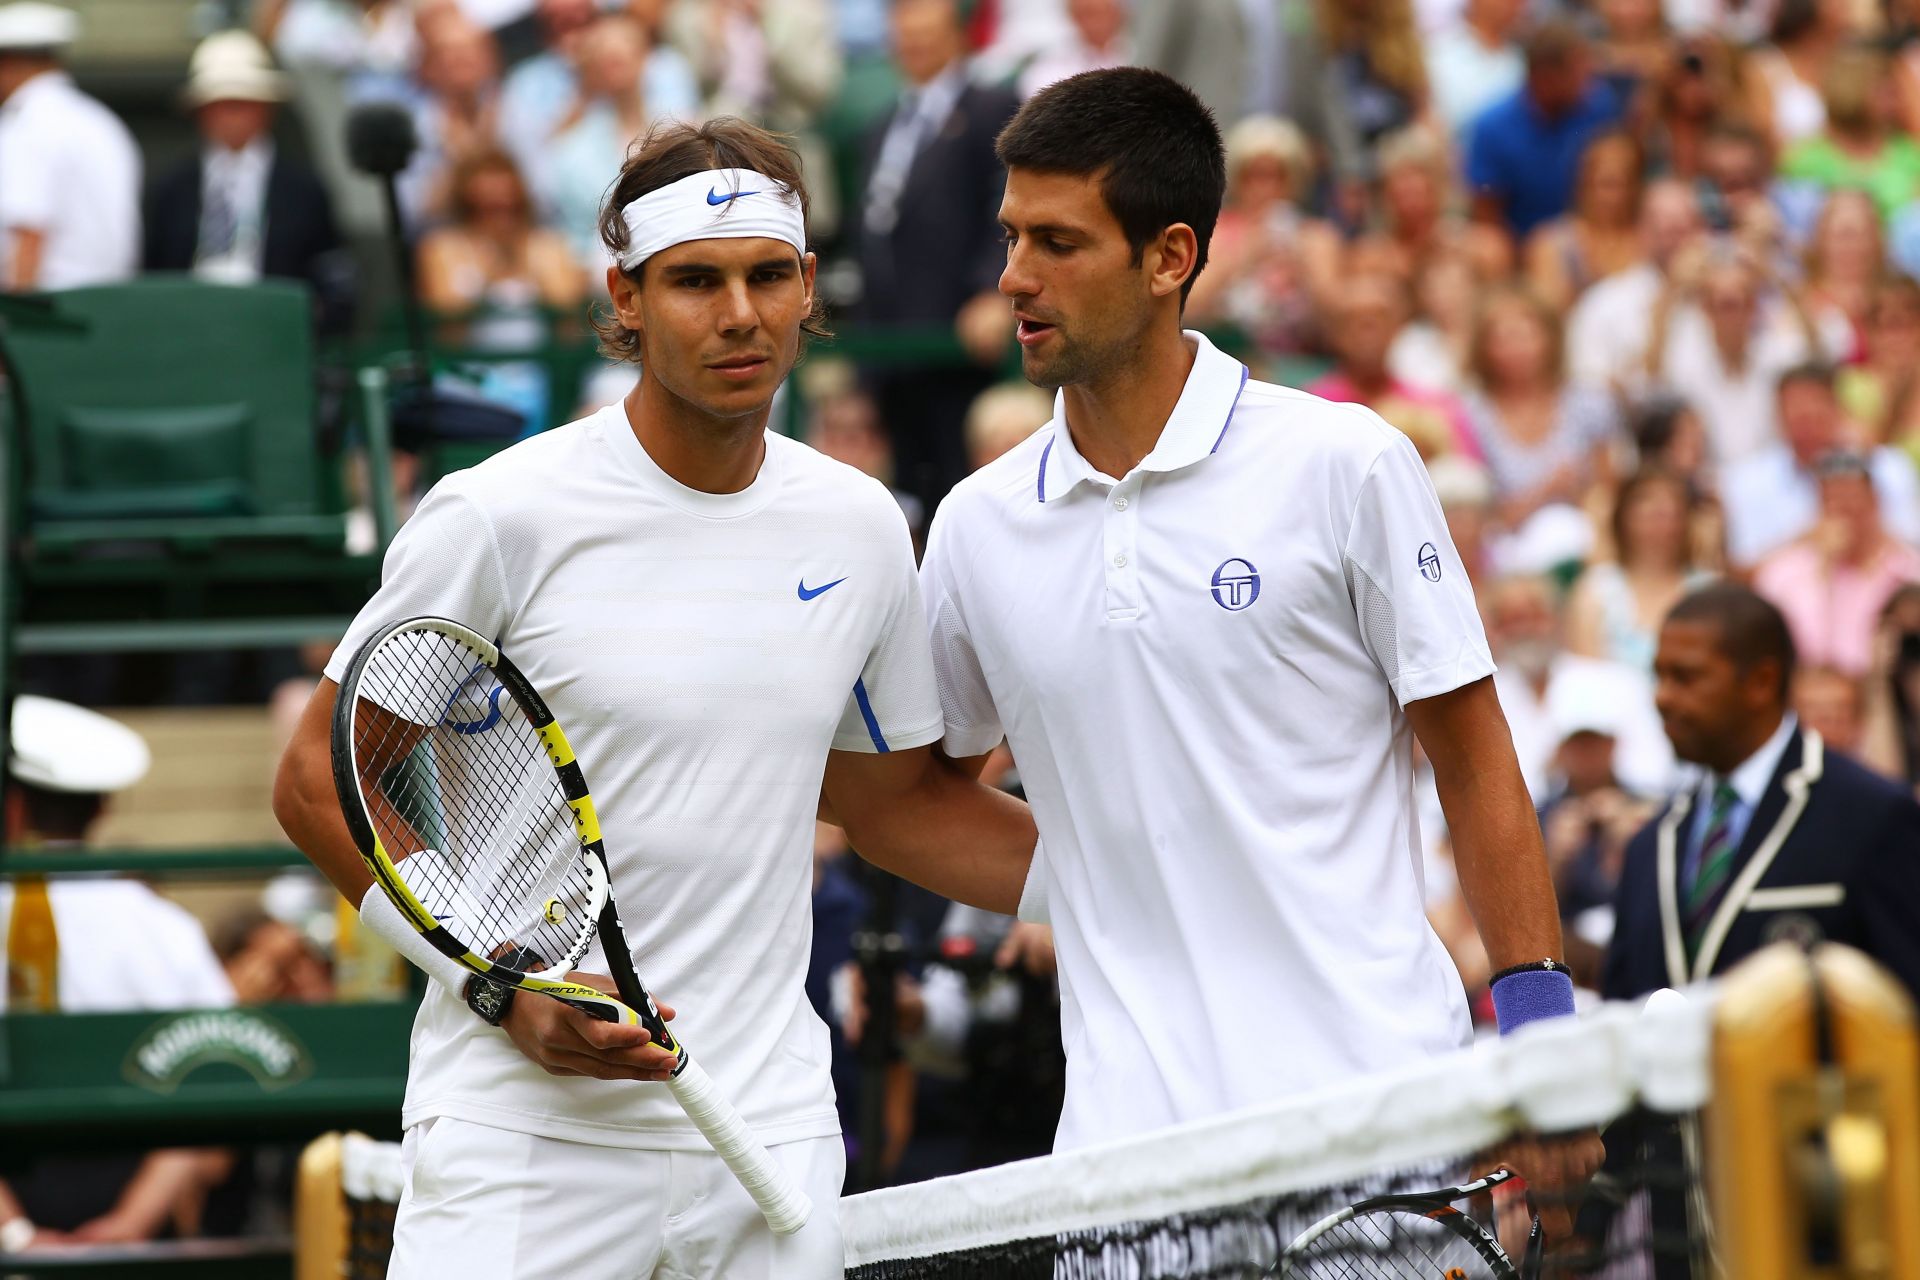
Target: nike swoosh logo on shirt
<point>808,593</point>
<point>714,197</point>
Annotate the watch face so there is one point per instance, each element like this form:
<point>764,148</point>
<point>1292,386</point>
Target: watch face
<point>489,999</point>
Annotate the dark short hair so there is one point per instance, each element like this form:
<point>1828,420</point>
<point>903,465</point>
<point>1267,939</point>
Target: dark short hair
<point>1552,42</point>
<point>1818,372</point>
<point>59,815</point>
<point>669,152</point>
<point>1154,145</point>
<point>1751,630</point>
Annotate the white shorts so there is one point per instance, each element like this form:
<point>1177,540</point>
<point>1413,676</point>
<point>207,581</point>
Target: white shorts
<point>483,1203</point>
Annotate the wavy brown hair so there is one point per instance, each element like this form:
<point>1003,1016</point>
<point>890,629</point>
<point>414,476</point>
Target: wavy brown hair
<point>1385,31</point>
<point>669,152</point>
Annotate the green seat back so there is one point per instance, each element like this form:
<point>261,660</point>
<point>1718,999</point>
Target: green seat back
<point>167,397</point>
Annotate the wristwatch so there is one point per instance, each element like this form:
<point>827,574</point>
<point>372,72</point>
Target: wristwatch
<point>488,999</point>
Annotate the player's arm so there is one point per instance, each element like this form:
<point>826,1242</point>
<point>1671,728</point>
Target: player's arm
<point>925,818</point>
<point>1497,847</point>
<point>308,807</point>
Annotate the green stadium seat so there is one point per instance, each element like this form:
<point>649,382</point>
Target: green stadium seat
<point>165,467</point>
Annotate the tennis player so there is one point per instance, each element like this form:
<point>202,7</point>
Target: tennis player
<point>723,619</point>
<point>1209,615</point>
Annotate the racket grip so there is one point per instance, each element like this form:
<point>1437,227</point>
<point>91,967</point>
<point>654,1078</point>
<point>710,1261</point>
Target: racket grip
<point>785,1205</point>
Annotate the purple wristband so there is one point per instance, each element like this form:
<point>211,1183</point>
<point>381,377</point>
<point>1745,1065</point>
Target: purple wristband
<point>1529,996</point>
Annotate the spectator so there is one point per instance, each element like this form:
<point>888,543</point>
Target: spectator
<point>1633,47</point>
<point>607,115</point>
<point>1607,329</point>
<point>1773,497</point>
<point>1831,703</point>
<point>1270,260</point>
<point>69,170</point>
<point>268,961</point>
<point>1716,343</point>
<point>1735,172</point>
<point>1692,94</point>
<point>1474,61</point>
<point>1416,194</point>
<point>1361,323</point>
<point>92,944</point>
<point>1785,76</point>
<point>1262,59</point>
<point>1668,436</point>
<point>1878,393</point>
<point>1523,152</point>
<point>1903,38</point>
<point>846,427</point>
<point>1600,235</point>
<point>774,62</point>
<point>456,109</point>
<point>930,246</point>
<point>542,90</point>
<point>1615,608</point>
<point>1688,907</point>
<point>1433,348</point>
<point>1890,718</point>
<point>241,208</point>
<point>1374,62</point>
<point>1466,500</point>
<point>1845,262</point>
<point>1546,441</point>
<point>492,259</point>
<point>1099,39</point>
<point>1858,147</point>
<point>1537,673</point>
<point>1001,417</point>
<point>1833,582</point>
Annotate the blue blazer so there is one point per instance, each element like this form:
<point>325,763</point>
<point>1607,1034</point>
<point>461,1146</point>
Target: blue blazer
<point>1832,853</point>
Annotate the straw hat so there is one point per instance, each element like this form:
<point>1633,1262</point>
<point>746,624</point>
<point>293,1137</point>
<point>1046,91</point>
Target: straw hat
<point>232,66</point>
<point>57,746</point>
<point>33,25</point>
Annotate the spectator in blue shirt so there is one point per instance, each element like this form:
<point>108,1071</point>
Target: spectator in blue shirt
<point>1523,153</point>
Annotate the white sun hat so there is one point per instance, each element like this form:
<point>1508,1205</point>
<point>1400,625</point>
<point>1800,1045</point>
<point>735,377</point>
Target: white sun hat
<point>33,25</point>
<point>57,746</point>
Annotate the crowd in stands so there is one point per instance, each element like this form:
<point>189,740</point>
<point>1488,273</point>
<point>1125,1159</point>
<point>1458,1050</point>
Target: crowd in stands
<point>1637,277</point>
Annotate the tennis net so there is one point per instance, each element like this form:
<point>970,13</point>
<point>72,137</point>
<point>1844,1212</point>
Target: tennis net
<point>1227,1198</point>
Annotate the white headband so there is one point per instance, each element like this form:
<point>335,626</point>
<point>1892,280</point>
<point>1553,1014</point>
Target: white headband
<point>719,204</point>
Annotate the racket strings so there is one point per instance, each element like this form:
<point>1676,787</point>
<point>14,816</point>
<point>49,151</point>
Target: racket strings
<point>1394,1245</point>
<point>467,804</point>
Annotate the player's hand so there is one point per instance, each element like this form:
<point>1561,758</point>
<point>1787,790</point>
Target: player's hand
<point>1556,1171</point>
<point>1028,946</point>
<point>563,1041</point>
<point>985,327</point>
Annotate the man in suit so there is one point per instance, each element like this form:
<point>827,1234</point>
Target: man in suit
<point>239,210</point>
<point>930,242</point>
<point>1781,837</point>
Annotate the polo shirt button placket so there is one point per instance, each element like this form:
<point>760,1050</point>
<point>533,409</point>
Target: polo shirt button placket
<point>1123,569</point>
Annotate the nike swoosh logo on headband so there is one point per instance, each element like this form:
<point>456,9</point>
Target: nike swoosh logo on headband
<point>714,197</point>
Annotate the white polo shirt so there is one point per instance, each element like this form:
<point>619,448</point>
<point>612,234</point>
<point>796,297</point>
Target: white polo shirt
<point>70,170</point>
<point>1200,669</point>
<point>703,652</point>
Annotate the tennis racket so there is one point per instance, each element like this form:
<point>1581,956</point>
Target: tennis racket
<point>471,812</point>
<point>1420,1236</point>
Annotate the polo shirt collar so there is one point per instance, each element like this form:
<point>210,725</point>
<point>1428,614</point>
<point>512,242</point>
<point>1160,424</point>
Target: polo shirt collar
<point>1192,432</point>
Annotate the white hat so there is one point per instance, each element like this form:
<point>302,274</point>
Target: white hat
<point>1590,700</point>
<point>233,66</point>
<point>33,25</point>
<point>57,746</point>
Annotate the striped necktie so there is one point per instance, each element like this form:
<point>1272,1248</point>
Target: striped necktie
<point>1713,866</point>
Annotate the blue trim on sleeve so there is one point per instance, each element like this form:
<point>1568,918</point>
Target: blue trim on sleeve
<point>866,713</point>
<point>1531,996</point>
<point>1041,479</point>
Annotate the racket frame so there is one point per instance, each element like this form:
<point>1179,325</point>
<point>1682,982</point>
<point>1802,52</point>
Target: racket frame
<point>1436,1206</point>
<point>785,1206</point>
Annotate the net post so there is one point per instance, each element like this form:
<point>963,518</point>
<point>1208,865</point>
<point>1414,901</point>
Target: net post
<point>1813,1166</point>
<point>320,1228</point>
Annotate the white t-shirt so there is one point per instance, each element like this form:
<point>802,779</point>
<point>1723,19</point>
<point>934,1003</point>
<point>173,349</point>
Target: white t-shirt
<point>1200,669</point>
<point>703,652</point>
<point>124,947</point>
<point>69,169</point>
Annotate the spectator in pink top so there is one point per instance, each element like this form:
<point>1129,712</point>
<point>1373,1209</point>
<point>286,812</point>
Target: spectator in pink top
<point>1361,324</point>
<point>1833,583</point>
